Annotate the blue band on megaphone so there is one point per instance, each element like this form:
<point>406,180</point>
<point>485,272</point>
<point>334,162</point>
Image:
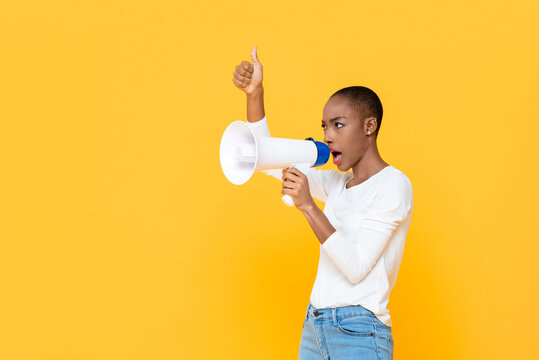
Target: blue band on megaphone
<point>323,152</point>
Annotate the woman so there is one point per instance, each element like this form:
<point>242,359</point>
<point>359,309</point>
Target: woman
<point>361,231</point>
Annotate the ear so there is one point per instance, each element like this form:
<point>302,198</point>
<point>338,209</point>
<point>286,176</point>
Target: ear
<point>370,125</point>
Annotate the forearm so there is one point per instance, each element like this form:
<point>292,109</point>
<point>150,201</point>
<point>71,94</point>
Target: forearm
<point>255,105</point>
<point>347,257</point>
<point>319,222</point>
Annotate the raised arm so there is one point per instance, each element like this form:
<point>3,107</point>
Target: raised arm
<point>248,78</point>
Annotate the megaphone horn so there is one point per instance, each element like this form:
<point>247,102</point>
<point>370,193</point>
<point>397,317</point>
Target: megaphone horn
<point>242,153</point>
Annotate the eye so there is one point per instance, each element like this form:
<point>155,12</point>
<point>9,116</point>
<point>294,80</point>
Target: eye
<point>338,127</point>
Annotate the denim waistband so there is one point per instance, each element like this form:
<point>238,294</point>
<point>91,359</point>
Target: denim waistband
<point>333,313</point>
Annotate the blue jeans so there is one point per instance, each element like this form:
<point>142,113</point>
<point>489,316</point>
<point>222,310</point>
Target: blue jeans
<point>343,333</point>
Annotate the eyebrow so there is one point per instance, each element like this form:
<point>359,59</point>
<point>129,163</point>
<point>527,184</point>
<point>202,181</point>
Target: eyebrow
<point>335,118</point>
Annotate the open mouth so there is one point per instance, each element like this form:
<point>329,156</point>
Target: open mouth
<point>337,156</point>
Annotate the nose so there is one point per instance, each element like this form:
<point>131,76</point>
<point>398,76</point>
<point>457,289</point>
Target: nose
<point>327,138</point>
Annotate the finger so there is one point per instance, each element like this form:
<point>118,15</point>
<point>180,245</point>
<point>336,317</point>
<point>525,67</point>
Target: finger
<point>289,176</point>
<point>245,75</point>
<point>241,71</point>
<point>247,66</point>
<point>288,191</point>
<point>289,184</point>
<point>242,78</point>
<point>298,173</point>
<point>238,83</point>
<point>244,72</point>
<point>243,81</point>
<point>294,174</point>
<point>254,56</point>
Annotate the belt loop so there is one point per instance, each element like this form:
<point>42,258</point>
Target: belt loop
<point>334,314</point>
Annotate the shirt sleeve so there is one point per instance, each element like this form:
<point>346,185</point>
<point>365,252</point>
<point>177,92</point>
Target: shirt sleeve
<point>356,249</point>
<point>319,180</point>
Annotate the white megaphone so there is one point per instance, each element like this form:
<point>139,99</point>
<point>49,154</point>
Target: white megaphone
<point>242,152</point>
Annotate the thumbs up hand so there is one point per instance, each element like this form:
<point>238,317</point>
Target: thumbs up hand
<point>247,76</point>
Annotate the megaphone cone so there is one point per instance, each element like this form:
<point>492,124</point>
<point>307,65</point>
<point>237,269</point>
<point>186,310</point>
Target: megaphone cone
<point>242,153</point>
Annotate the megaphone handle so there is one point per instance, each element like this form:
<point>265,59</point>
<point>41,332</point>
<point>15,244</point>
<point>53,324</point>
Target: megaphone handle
<point>287,199</point>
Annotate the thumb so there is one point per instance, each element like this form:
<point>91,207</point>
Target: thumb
<point>254,57</point>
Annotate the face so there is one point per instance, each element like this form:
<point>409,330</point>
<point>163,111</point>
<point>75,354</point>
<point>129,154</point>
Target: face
<point>343,133</point>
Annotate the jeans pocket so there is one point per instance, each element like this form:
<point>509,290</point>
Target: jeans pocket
<point>356,326</point>
<point>381,325</point>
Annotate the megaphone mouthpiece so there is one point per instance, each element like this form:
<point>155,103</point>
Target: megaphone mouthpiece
<point>246,152</point>
<point>322,151</point>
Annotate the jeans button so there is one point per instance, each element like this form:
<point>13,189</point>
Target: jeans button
<point>316,313</point>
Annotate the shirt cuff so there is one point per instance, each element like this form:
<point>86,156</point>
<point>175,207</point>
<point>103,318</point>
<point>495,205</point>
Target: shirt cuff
<point>330,241</point>
<point>260,127</point>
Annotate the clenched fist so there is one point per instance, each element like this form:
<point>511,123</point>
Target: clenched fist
<point>247,76</point>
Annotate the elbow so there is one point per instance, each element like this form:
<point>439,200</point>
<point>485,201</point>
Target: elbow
<point>355,277</point>
<point>357,273</point>
<point>353,264</point>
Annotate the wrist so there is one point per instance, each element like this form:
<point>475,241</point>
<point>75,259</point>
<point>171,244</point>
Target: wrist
<point>255,104</point>
<point>257,91</point>
<point>309,208</point>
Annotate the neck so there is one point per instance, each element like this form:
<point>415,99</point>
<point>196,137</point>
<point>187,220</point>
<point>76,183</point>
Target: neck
<point>370,164</point>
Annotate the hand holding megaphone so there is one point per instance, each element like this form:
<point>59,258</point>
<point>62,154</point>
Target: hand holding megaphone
<point>287,199</point>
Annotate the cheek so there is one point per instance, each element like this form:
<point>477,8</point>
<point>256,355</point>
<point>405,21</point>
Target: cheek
<point>353,143</point>
<point>355,150</point>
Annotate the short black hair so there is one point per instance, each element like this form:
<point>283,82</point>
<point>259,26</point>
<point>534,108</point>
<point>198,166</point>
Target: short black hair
<point>365,101</point>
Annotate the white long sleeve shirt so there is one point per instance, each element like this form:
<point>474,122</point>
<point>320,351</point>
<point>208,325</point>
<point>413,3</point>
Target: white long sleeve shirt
<point>359,262</point>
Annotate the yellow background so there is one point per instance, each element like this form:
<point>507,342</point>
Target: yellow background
<point>122,239</point>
